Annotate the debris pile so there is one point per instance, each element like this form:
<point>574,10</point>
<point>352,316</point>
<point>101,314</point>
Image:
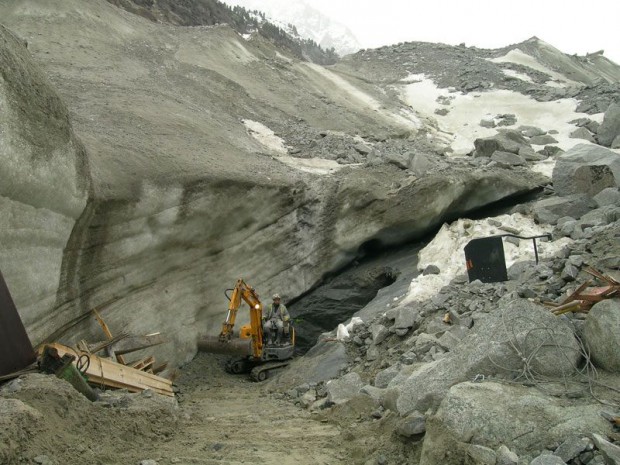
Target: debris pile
<point>81,365</point>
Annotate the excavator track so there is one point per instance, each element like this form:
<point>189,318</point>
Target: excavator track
<point>237,366</point>
<point>263,371</point>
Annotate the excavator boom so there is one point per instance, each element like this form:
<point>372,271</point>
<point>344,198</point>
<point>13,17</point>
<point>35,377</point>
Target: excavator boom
<point>225,342</point>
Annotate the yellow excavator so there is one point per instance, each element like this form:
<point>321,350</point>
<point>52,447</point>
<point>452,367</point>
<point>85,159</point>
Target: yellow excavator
<point>255,355</point>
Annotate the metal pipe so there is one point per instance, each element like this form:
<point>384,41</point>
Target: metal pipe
<point>547,236</point>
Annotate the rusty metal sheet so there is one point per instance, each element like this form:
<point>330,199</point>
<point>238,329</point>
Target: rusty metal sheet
<point>16,352</point>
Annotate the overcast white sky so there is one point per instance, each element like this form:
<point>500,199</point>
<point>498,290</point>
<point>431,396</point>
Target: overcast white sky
<point>572,26</point>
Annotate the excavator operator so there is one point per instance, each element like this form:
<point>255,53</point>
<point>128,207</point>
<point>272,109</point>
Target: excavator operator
<point>276,319</point>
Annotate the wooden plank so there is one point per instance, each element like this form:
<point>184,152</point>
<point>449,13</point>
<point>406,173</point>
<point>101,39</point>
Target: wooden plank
<point>98,381</point>
<point>575,295</point>
<point>144,364</point>
<point>108,334</point>
<point>135,343</point>
<point>99,346</point>
<point>159,368</point>
<point>102,371</point>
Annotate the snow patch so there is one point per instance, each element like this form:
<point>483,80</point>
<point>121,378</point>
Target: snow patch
<point>275,144</point>
<point>446,250</point>
<point>313,165</point>
<point>403,118</point>
<point>342,334</point>
<point>519,57</point>
<point>461,126</point>
<point>283,58</point>
<point>355,321</point>
<point>265,136</point>
<point>517,75</point>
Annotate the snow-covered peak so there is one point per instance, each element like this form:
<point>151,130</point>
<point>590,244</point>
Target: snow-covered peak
<point>309,22</point>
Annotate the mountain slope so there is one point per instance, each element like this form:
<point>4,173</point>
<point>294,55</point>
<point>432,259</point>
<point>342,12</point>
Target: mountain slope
<point>308,22</point>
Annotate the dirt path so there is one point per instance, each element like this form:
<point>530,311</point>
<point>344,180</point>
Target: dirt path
<point>228,419</point>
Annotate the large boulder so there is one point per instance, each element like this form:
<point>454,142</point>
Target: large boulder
<point>610,127</point>
<point>505,141</point>
<point>325,361</point>
<point>343,389</point>
<point>602,334</point>
<point>519,337</point>
<point>586,169</point>
<point>582,133</point>
<point>549,210</point>
<point>488,414</point>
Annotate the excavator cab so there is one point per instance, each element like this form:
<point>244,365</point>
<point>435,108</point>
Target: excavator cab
<point>283,351</point>
<point>255,355</point>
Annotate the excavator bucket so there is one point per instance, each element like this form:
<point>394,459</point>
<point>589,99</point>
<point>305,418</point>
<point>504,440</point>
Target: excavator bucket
<point>213,345</point>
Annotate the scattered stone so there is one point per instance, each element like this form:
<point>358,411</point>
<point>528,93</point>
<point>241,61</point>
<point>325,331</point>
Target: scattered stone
<point>412,425</point>
<point>529,154</point>
<point>431,269</point>
<point>379,333</point>
<point>570,272</point>
<point>362,149</point>
<point>580,122</point>
<point>400,160</point>
<point>507,159</point>
<point>383,378</point>
<point>505,141</point>
<point>543,140</point>
<point>550,210</point>
<point>407,318</point>
<point>582,133</point>
<point>481,455</point>
<point>343,389</point>
<point>506,457</point>
<point>547,459</point>
<point>593,126</point>
<point>442,111</point>
<point>531,131</point>
<point>610,127</point>
<point>372,353</point>
<point>373,392</point>
<point>154,462</point>
<point>421,163</point>
<point>308,399</point>
<point>572,447</point>
<point>608,196</point>
<point>507,120</point>
<point>551,151</point>
<point>610,451</point>
<point>487,123</point>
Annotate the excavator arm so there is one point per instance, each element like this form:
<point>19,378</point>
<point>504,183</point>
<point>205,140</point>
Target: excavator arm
<point>248,294</point>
